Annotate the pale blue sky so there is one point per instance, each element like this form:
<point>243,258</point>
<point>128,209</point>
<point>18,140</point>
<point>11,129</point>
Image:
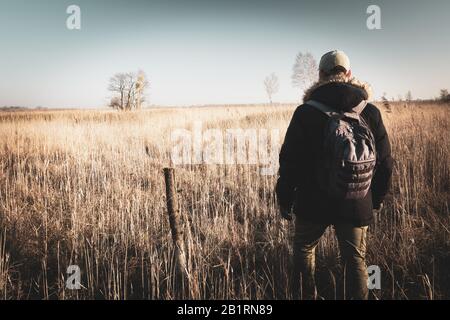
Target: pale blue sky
<point>201,52</point>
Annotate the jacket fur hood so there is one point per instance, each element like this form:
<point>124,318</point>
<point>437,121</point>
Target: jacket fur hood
<point>353,82</point>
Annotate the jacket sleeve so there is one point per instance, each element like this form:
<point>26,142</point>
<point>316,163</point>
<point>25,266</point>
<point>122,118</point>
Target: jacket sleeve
<point>382,179</point>
<point>290,162</point>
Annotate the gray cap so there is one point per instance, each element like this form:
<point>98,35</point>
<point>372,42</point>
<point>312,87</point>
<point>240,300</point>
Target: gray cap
<point>332,59</point>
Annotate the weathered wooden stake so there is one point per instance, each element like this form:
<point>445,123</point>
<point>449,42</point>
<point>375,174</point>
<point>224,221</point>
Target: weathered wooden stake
<point>175,226</point>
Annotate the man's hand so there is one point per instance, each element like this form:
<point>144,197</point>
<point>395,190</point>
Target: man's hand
<point>286,213</point>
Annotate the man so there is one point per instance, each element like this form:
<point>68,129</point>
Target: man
<point>301,163</point>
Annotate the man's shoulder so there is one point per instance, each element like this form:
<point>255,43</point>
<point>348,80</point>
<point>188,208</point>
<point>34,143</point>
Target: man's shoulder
<point>304,109</point>
<point>372,112</point>
<point>371,108</point>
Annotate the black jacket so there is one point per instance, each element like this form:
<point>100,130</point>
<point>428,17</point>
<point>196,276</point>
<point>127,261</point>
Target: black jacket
<point>297,184</point>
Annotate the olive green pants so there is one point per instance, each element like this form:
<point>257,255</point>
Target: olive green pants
<point>352,247</point>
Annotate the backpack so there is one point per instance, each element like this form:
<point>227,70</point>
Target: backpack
<point>349,157</point>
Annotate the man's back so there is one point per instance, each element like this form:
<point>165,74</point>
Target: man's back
<point>302,149</point>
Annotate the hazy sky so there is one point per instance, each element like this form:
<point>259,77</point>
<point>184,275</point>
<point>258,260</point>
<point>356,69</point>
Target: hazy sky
<point>209,51</point>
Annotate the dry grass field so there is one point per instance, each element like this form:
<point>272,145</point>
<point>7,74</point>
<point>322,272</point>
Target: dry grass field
<point>79,188</point>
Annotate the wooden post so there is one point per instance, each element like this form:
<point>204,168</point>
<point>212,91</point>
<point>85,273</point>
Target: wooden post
<point>175,226</point>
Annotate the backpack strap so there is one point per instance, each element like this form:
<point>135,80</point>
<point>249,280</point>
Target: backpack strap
<point>360,107</point>
<point>329,111</point>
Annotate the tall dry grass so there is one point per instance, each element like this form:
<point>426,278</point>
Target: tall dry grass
<point>77,187</point>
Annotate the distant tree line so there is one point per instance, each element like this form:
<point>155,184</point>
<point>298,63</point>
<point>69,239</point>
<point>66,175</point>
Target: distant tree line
<point>129,88</point>
<point>444,96</point>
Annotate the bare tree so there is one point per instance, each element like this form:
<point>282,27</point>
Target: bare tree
<point>408,96</point>
<point>128,89</point>
<point>130,83</point>
<point>141,84</point>
<point>271,85</point>
<point>117,85</point>
<point>304,71</point>
<point>444,95</point>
